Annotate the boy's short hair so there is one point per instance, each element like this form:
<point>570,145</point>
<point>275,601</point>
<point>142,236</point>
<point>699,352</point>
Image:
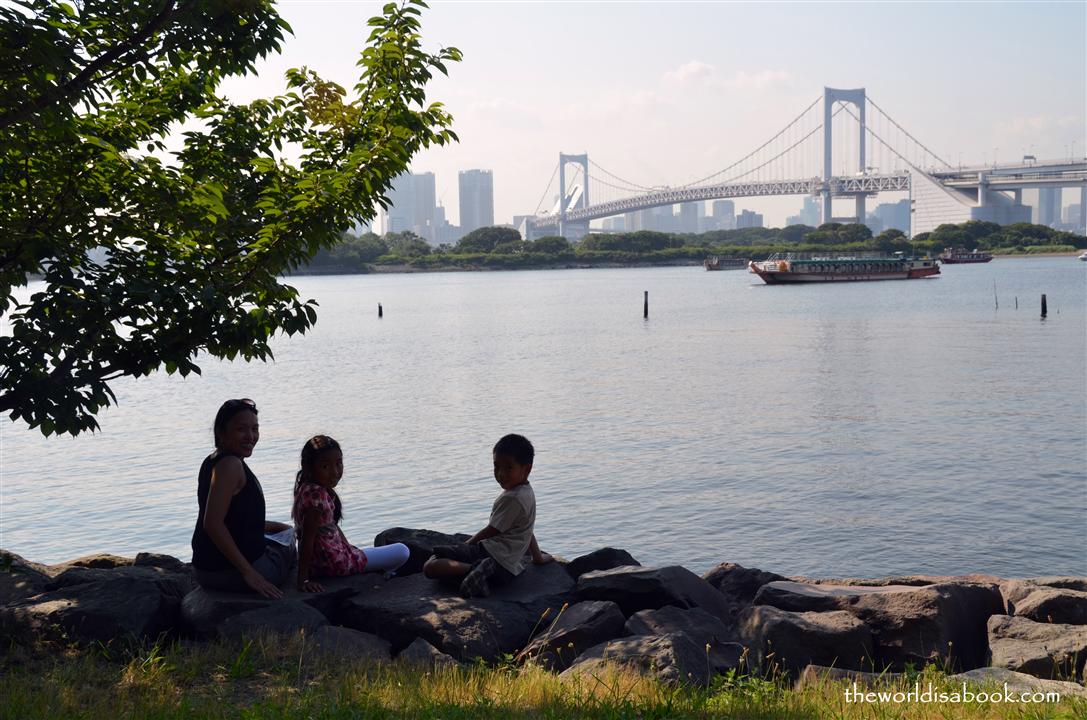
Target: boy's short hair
<point>516,446</point>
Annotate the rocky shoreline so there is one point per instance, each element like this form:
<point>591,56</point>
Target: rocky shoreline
<point>570,617</point>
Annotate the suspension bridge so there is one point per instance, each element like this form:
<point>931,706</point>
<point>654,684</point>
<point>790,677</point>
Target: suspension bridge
<point>842,128</point>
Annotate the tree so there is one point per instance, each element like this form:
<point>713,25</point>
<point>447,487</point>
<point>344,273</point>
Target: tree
<point>406,244</point>
<point>485,239</point>
<point>193,241</point>
<point>551,245</point>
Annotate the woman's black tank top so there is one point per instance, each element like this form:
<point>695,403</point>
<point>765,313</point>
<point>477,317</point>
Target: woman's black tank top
<point>244,519</point>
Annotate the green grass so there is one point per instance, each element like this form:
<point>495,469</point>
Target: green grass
<point>273,679</point>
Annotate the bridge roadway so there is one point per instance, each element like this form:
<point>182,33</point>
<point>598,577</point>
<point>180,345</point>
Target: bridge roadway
<point>1004,177</point>
<point>672,196</point>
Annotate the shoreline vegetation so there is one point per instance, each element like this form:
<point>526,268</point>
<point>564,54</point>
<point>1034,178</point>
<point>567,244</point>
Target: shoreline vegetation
<point>501,248</point>
<point>273,677</point>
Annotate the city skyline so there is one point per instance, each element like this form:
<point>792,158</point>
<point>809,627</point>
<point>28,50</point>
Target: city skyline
<point>716,89</point>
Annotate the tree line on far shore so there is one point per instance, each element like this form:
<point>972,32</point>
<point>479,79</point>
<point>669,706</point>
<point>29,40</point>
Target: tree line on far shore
<point>503,247</point>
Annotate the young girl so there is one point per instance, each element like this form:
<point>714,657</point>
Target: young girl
<point>323,548</point>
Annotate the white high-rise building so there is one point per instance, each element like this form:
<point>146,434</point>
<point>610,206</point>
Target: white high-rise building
<point>413,203</point>
<point>476,189</point>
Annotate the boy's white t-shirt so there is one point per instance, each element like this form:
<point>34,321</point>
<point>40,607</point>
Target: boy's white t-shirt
<point>514,516</point>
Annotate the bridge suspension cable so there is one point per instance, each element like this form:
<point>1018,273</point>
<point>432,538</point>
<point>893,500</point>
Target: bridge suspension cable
<point>760,147</point>
<point>547,190</point>
<point>885,144</point>
<point>905,132</point>
<point>784,152</point>
<point>628,184</point>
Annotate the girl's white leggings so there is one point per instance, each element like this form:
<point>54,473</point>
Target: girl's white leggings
<point>386,558</point>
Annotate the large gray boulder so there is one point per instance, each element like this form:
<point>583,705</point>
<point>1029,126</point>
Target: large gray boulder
<point>420,542</point>
<point>739,584</point>
<point>405,608</point>
<point>284,617</point>
<point>790,641</point>
<point>575,630</point>
<point>20,579</point>
<point>602,559</point>
<point>121,604</point>
<point>1053,605</point>
<point>705,630</point>
<point>673,659</point>
<point>649,588</point>
<point>911,625</point>
<point>994,679</point>
<point>420,653</point>
<point>1045,650</point>
<point>344,644</point>
<point>204,611</point>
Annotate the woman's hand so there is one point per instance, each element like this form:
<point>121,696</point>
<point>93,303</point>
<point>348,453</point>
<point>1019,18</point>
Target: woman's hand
<point>257,582</point>
<point>310,586</point>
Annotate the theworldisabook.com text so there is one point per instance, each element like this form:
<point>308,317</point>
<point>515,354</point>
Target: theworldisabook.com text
<point>932,695</point>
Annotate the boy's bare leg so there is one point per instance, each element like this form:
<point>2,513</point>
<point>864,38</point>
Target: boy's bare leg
<point>445,569</point>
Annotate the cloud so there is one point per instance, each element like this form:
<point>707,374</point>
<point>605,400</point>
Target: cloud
<point>696,72</point>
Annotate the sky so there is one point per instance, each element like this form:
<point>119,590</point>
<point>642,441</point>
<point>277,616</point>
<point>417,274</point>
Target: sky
<point>662,93</point>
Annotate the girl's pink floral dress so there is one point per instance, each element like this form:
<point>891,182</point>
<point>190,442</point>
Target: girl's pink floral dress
<point>332,554</point>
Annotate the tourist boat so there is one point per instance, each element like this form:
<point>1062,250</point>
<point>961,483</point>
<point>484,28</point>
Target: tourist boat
<point>954,256</point>
<point>1083,256</point>
<point>714,262</point>
<point>792,268</point>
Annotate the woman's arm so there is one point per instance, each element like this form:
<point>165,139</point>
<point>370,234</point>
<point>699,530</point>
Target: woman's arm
<point>227,478</point>
<point>487,532</point>
<point>311,517</point>
<point>272,526</point>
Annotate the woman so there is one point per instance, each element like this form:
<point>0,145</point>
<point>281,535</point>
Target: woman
<point>229,550</point>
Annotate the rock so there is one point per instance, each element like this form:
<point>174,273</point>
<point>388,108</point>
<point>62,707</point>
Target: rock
<point>818,675</point>
<point>99,561</point>
<point>166,562</point>
<point>20,578</point>
<point>809,597</point>
<point>575,630</point>
<point>405,608</point>
<point>1019,682</point>
<point>649,588</point>
<point>420,542</point>
<point>422,654</point>
<point>80,575</point>
<point>792,640</point>
<point>1044,650</point>
<point>115,606</point>
<point>340,643</point>
<point>703,629</point>
<point>739,584</point>
<point>1054,605</point>
<point>285,617</point>
<point>673,659</point>
<point>911,625</point>
<point>914,580</point>
<point>932,624</point>
<point>1012,591</point>
<point>602,559</point>
<point>204,611</point>
<point>1066,582</point>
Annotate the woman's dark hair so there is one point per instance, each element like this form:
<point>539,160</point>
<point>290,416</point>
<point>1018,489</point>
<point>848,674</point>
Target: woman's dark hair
<point>228,410</point>
<point>312,451</point>
<point>516,446</point>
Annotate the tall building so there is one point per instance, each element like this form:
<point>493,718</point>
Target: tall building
<point>749,219</point>
<point>476,199</point>
<point>690,215</point>
<point>412,207</point>
<point>723,213</point>
<point>890,215</point>
<point>1049,206</point>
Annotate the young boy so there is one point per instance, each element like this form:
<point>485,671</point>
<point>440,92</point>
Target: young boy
<point>496,554</point>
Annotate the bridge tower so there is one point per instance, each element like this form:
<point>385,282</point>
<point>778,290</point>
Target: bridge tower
<point>857,99</point>
<point>581,202</point>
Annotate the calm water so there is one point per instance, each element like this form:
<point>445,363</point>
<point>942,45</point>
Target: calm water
<point>849,429</point>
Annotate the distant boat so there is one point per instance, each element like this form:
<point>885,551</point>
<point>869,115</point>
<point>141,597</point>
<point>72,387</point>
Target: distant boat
<point>789,268</point>
<point>1083,256</point>
<point>714,262</point>
<point>956,256</point>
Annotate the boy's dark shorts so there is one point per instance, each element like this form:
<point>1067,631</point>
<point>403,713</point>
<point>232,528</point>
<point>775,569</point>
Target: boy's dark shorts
<point>473,555</point>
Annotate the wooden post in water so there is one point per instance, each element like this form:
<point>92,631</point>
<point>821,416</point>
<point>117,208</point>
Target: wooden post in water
<point>1043,305</point>
<point>380,313</point>
<point>1016,302</point>
<point>645,307</point>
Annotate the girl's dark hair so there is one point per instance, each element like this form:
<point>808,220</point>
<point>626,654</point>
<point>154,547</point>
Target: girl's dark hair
<point>228,410</point>
<point>516,446</point>
<point>314,448</point>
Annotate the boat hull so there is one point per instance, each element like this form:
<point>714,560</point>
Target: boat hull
<point>964,261</point>
<point>783,273</point>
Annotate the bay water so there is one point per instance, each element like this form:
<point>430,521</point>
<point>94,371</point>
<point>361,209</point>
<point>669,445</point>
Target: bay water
<point>847,429</point>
